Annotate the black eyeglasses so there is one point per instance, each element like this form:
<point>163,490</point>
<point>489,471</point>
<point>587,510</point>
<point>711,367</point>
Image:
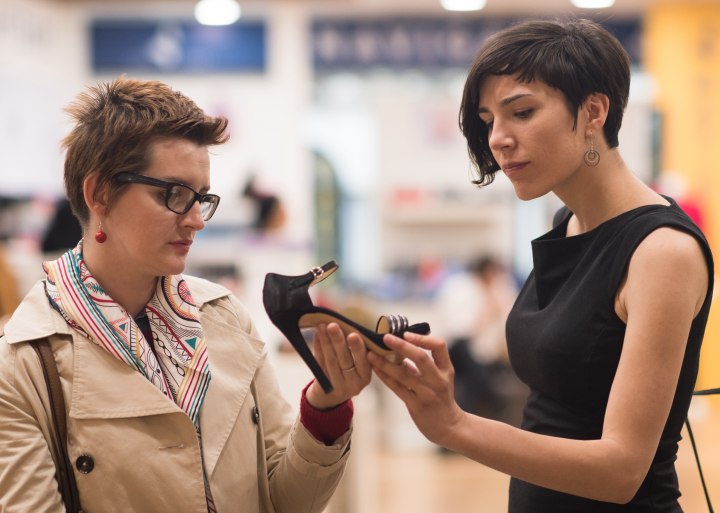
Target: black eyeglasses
<point>179,197</point>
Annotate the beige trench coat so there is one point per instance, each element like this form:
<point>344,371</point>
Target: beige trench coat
<point>146,455</point>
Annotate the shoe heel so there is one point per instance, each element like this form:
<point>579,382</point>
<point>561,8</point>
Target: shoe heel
<point>297,340</point>
<point>285,298</point>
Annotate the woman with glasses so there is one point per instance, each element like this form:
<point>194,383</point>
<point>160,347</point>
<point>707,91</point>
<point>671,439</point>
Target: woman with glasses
<point>171,404</point>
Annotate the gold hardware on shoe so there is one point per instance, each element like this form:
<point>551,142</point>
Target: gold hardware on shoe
<point>317,273</point>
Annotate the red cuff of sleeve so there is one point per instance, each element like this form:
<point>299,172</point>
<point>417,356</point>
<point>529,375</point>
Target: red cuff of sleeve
<point>325,425</point>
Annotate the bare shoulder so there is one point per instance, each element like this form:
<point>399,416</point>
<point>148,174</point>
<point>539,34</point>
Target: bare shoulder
<point>670,262</point>
<point>671,246</point>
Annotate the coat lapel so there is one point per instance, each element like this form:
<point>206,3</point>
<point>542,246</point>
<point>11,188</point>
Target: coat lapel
<point>105,387</point>
<point>234,356</point>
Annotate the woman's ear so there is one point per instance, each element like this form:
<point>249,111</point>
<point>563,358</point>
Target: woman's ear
<point>96,197</point>
<point>596,107</point>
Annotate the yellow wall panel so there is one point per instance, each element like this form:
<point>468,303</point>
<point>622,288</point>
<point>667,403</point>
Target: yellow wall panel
<point>682,53</point>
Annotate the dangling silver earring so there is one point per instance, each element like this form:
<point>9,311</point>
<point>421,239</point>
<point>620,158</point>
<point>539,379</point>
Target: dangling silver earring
<point>591,157</point>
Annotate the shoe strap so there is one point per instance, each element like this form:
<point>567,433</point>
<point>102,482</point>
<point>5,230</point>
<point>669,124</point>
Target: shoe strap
<point>398,324</point>
<point>316,275</point>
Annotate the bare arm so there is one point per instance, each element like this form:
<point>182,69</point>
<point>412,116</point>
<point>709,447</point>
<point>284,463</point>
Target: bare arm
<point>665,287</point>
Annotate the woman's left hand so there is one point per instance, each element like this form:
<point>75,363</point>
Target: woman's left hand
<point>345,363</point>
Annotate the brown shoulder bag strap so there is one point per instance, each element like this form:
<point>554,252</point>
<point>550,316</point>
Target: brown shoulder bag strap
<point>65,475</point>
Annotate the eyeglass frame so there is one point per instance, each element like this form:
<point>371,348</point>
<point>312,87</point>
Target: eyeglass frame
<point>128,177</point>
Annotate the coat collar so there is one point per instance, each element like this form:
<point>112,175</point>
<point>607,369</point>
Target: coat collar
<point>35,318</point>
<point>104,387</point>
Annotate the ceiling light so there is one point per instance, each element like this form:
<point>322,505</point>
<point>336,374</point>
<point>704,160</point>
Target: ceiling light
<point>217,12</point>
<point>593,4</point>
<point>462,5</point>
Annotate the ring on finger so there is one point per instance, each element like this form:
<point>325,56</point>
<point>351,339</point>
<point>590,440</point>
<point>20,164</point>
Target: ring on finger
<point>349,369</point>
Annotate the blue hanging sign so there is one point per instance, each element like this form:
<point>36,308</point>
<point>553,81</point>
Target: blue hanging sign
<point>419,43</point>
<point>177,47</point>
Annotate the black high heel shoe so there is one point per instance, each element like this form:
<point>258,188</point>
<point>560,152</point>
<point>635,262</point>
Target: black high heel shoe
<point>290,308</point>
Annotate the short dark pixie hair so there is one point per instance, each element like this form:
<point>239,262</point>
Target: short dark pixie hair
<point>577,57</point>
<point>115,125</point>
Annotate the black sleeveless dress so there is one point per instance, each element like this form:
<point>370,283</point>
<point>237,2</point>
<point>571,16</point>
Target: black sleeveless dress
<point>565,340</point>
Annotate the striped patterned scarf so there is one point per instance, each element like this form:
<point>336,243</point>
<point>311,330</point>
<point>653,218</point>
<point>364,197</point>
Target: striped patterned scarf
<point>182,372</point>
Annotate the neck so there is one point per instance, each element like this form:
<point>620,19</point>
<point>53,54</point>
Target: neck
<point>131,290</point>
<point>596,194</point>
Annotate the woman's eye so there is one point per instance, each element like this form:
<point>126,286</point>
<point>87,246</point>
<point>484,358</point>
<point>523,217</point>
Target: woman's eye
<point>172,194</point>
<point>524,114</point>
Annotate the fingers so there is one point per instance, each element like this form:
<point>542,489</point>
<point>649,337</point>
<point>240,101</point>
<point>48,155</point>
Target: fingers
<point>401,389</point>
<point>335,349</point>
<point>437,347</point>
<point>359,354</point>
<point>403,378</point>
<point>344,362</point>
<point>317,348</point>
<point>410,367</point>
<point>327,355</point>
<point>424,370</point>
<point>415,348</point>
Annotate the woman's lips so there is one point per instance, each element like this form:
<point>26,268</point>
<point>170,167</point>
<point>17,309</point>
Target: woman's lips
<point>182,245</point>
<point>514,167</point>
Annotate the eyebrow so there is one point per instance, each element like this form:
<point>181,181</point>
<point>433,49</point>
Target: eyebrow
<point>505,101</point>
<point>175,179</point>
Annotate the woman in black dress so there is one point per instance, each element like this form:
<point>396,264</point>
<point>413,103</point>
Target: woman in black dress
<point>607,329</point>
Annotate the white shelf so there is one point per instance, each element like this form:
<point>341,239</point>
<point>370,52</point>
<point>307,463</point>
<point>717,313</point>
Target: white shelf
<point>443,214</point>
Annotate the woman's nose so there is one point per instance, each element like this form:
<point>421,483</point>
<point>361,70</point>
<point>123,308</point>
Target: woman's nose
<point>193,218</point>
<point>499,138</point>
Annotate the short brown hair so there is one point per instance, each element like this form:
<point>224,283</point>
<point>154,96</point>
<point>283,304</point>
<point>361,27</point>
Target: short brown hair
<point>115,123</point>
<point>577,57</point>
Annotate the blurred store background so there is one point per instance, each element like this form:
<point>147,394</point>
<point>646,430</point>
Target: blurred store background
<point>344,145</point>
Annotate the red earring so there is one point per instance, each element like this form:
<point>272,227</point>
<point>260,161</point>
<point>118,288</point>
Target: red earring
<point>100,235</point>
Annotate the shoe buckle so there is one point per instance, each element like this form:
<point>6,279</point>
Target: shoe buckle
<point>317,273</point>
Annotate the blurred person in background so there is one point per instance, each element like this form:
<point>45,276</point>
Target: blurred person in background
<point>63,231</point>
<point>269,212</point>
<point>474,305</point>
<point>607,329</point>
<point>173,405</point>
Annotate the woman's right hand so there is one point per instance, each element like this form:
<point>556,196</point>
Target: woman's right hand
<point>424,381</point>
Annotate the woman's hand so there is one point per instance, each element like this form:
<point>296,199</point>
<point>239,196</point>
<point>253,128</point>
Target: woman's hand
<point>345,363</point>
<point>423,381</point>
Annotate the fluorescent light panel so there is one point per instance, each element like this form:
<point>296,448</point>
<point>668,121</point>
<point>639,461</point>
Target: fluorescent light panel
<point>462,5</point>
<point>217,12</point>
<point>593,4</point>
